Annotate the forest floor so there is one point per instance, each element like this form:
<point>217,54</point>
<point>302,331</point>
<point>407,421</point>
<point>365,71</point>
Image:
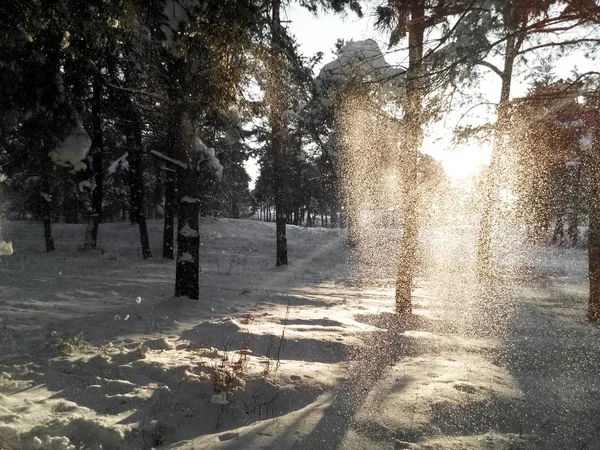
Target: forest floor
<point>96,353</point>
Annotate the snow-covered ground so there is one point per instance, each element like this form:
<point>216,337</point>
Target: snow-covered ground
<point>96,353</point>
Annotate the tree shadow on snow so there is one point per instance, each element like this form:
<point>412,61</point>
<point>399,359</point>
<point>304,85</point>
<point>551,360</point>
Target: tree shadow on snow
<point>552,353</point>
<point>369,362</point>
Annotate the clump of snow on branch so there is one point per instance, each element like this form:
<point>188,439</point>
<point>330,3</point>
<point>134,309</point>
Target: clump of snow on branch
<point>358,62</point>
<point>86,185</point>
<point>72,151</point>
<point>207,158</point>
<point>120,164</point>
<point>169,159</point>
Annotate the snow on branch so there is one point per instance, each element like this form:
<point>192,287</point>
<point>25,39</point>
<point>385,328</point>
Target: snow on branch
<point>170,160</point>
<point>72,150</point>
<point>207,156</point>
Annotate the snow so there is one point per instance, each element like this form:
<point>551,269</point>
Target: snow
<point>86,185</point>
<point>185,257</point>
<point>6,248</point>
<point>73,150</point>
<point>121,163</point>
<point>358,62</point>
<point>509,365</point>
<point>187,231</point>
<point>357,57</point>
<point>169,159</point>
<point>207,156</point>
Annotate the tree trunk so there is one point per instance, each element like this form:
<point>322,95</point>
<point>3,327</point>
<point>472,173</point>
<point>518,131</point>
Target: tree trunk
<point>46,202</point>
<point>169,219</point>
<point>574,219</point>
<point>277,144</point>
<point>413,113</point>
<point>559,230</point>
<point>350,218</point>
<point>97,172</point>
<point>187,273</point>
<point>484,238</point>
<point>593,312</point>
<point>136,181</point>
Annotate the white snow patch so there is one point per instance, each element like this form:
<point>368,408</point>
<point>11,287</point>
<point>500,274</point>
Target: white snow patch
<point>72,150</point>
<point>187,231</point>
<point>185,257</point>
<point>86,184</point>
<point>6,248</point>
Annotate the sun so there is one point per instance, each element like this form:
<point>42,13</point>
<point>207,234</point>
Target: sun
<point>464,161</point>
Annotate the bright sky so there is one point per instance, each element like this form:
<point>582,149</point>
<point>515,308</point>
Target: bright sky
<point>320,33</point>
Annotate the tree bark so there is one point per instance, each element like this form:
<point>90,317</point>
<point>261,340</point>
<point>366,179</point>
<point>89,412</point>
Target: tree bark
<point>559,230</point>
<point>277,144</point>
<point>413,114</point>
<point>187,273</point>
<point>574,217</point>
<point>46,202</point>
<point>97,172</point>
<point>169,218</point>
<point>484,238</point>
<point>136,180</point>
<point>593,312</point>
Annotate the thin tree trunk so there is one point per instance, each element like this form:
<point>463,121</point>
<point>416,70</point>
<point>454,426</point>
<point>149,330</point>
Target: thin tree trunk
<point>169,219</point>
<point>593,312</point>
<point>277,145</point>
<point>559,230</point>
<point>351,220</point>
<point>574,219</point>
<point>484,238</point>
<point>97,155</point>
<point>46,203</point>
<point>136,180</point>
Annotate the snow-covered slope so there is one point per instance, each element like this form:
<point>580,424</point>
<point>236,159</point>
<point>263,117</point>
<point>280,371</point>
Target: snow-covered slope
<point>96,353</point>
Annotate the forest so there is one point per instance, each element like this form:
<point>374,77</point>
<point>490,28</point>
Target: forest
<point>210,238</point>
